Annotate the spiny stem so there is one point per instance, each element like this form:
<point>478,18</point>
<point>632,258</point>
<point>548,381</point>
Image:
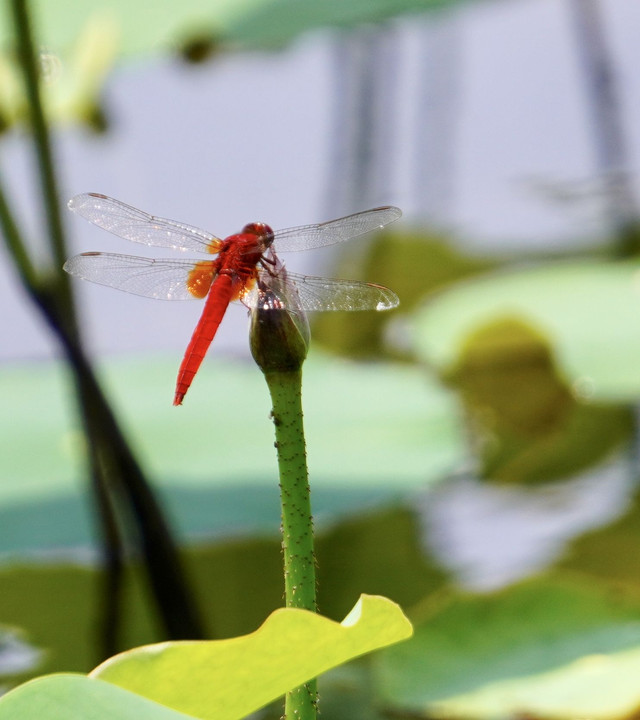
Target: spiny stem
<point>297,526</point>
<point>279,343</point>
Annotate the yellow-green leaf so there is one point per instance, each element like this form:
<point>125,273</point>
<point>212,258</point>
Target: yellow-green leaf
<point>228,679</point>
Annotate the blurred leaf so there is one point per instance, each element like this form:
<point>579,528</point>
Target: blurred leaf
<point>277,22</point>
<point>598,687</point>
<point>403,431</point>
<point>79,42</point>
<point>506,371</point>
<point>231,678</point>
<point>629,240</point>
<point>609,553</point>
<point>469,648</point>
<point>526,424</point>
<point>76,697</point>
<point>419,263</point>
<point>588,311</point>
<point>346,693</point>
<point>413,265</point>
<point>151,27</point>
<point>18,658</point>
<point>57,607</point>
<point>72,80</point>
<point>57,604</point>
<point>379,553</point>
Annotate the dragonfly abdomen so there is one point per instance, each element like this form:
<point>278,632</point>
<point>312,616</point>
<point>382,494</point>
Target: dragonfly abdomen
<point>216,305</point>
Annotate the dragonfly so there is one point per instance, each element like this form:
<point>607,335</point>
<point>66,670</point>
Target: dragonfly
<point>245,267</point>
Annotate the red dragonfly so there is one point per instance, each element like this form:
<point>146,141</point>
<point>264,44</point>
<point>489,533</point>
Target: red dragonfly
<point>244,261</point>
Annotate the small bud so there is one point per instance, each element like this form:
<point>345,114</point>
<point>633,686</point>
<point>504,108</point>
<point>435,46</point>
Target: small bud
<point>279,335</point>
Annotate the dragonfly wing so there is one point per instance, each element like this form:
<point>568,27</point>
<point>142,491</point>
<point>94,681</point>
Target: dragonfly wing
<point>132,224</point>
<point>159,279</point>
<point>307,237</point>
<point>293,291</point>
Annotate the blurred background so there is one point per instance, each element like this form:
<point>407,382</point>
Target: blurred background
<point>473,454</point>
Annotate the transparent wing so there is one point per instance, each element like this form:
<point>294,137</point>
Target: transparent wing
<point>314,293</point>
<point>132,224</point>
<point>159,279</point>
<point>317,293</point>
<point>307,237</point>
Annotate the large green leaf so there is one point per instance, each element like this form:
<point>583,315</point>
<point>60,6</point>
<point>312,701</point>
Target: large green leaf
<point>228,679</point>
<point>495,648</point>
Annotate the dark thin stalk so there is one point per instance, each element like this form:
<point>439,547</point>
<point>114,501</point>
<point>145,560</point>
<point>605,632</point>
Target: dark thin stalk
<point>365,64</point>
<point>436,119</point>
<point>342,114</point>
<point>114,466</point>
<point>112,547</point>
<point>125,477</point>
<point>118,470</point>
<point>15,244</point>
<point>49,187</point>
<point>113,561</point>
<point>608,128</point>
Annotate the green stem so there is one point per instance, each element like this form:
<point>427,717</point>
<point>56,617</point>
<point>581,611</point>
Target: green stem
<point>285,388</point>
<point>29,66</point>
<point>297,527</point>
<point>279,341</point>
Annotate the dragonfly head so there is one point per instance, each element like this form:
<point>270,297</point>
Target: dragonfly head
<point>261,230</point>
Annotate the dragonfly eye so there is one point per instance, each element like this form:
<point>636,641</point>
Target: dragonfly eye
<point>262,230</point>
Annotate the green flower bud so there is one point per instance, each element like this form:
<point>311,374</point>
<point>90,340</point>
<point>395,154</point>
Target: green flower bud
<point>279,335</point>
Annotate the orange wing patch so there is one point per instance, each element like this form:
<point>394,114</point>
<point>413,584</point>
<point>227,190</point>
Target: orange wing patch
<point>200,279</point>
